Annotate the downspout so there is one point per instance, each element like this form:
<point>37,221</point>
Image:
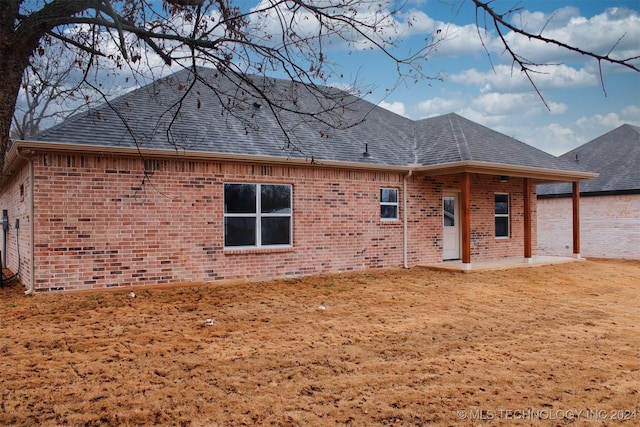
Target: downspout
<point>404,218</point>
<point>29,159</point>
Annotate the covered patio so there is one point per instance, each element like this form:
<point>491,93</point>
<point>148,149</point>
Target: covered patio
<point>530,176</point>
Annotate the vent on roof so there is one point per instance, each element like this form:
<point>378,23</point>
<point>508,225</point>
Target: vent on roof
<point>577,158</point>
<point>366,150</point>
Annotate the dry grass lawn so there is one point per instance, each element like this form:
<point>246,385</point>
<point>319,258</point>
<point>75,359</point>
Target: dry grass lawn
<point>551,345</point>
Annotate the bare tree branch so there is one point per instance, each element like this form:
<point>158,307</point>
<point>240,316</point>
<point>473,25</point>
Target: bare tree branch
<point>500,22</point>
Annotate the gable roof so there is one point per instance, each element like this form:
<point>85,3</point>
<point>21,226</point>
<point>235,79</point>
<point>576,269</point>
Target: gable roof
<point>226,117</point>
<point>614,155</point>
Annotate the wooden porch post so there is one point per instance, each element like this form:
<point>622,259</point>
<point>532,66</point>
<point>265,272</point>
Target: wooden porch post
<point>576,219</point>
<point>465,211</point>
<point>527,218</point>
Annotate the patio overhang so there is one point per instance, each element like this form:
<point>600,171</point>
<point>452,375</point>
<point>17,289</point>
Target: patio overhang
<point>541,175</point>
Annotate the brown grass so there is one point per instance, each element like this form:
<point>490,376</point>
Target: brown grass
<point>531,346</point>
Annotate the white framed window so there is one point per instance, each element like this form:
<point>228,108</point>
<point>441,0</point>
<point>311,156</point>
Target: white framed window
<point>502,215</point>
<point>257,215</point>
<point>389,204</point>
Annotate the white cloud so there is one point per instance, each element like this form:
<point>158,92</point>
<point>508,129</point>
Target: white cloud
<point>631,115</point>
<point>416,22</point>
<point>455,40</point>
<point>609,120</point>
<point>354,28</point>
<point>519,104</point>
<point>616,28</point>
<point>460,40</point>
<point>491,109</point>
<point>555,138</point>
<point>601,123</point>
<point>396,107</point>
<point>507,79</point>
<point>537,21</point>
<point>558,138</point>
<point>437,106</point>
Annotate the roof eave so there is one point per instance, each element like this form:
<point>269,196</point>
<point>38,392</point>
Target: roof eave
<point>12,161</point>
<point>20,148</point>
<point>23,147</point>
<point>519,171</point>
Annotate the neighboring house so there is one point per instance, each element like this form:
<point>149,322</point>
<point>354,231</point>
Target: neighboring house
<point>610,203</point>
<point>142,197</point>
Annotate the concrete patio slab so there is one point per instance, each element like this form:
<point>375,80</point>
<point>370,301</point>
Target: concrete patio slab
<point>501,264</point>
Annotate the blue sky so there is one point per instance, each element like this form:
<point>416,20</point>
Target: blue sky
<point>501,98</point>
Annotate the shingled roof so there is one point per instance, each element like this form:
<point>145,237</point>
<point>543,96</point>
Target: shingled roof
<point>225,115</point>
<point>614,155</point>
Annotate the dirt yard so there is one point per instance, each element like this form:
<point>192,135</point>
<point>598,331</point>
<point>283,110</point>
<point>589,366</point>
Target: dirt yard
<point>540,346</point>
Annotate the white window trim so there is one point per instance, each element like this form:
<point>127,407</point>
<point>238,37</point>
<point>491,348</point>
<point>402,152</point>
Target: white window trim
<point>507,215</point>
<point>396,204</point>
<point>258,215</point>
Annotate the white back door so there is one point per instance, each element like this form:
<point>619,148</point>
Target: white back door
<point>450,226</point>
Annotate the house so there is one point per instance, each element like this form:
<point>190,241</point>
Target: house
<point>139,194</point>
<point>610,203</point>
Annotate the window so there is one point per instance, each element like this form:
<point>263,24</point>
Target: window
<point>449,211</point>
<point>502,215</point>
<point>257,215</point>
<point>389,203</point>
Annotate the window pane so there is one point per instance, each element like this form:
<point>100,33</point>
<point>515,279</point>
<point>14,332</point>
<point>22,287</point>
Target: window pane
<point>239,231</point>
<point>388,211</point>
<point>502,227</point>
<point>449,211</point>
<point>276,231</point>
<point>275,199</point>
<point>388,195</point>
<point>239,198</point>
<point>502,203</point>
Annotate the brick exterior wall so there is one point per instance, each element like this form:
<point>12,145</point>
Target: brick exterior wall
<point>15,197</point>
<point>609,226</point>
<point>100,221</point>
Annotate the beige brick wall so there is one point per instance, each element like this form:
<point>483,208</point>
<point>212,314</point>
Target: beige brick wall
<point>609,226</point>
<point>100,222</point>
